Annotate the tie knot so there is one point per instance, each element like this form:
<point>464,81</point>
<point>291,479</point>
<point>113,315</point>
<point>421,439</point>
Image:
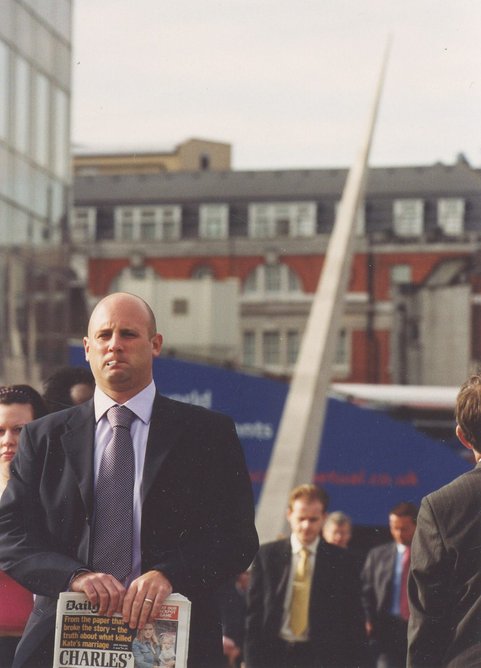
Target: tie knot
<point>120,416</point>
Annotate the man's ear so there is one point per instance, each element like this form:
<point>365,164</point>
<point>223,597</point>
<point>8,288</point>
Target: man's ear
<point>86,347</point>
<point>462,438</point>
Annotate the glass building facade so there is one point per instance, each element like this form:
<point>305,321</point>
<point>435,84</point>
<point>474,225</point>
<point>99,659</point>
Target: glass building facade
<point>35,178</point>
<point>35,74</point>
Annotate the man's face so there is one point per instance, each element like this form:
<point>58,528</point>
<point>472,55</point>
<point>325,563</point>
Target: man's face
<point>402,529</point>
<point>306,519</point>
<point>120,346</point>
<point>338,534</point>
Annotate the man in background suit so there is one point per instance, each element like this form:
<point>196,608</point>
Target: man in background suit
<point>331,633</point>
<point>384,589</point>
<point>192,503</point>
<point>445,581</point>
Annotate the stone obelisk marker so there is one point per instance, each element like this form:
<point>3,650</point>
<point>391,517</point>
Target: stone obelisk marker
<point>296,448</point>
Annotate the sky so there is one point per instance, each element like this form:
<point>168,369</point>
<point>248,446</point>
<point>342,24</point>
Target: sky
<point>288,83</point>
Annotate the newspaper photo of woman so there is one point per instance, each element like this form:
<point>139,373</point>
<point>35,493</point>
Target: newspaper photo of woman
<point>146,648</point>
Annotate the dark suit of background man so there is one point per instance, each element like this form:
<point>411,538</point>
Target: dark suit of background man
<point>445,580</point>
<point>195,525</point>
<point>334,635</point>
<point>384,590</point>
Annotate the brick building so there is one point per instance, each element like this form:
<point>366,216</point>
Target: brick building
<point>417,238</point>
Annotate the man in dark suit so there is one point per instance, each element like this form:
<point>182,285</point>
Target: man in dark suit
<point>384,589</point>
<point>445,581</point>
<point>287,629</point>
<point>192,508</point>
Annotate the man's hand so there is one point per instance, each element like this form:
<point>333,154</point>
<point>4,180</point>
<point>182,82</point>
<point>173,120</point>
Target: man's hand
<point>101,589</point>
<point>144,598</point>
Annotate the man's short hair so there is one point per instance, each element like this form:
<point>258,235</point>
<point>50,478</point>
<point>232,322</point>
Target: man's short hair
<point>338,518</point>
<point>309,493</point>
<point>405,509</point>
<point>468,411</point>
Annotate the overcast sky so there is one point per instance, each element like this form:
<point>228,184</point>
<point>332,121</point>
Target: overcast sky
<point>289,83</point>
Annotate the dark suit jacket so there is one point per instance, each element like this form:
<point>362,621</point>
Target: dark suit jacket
<point>335,617</point>
<point>445,581</point>
<point>377,581</point>
<point>197,512</point>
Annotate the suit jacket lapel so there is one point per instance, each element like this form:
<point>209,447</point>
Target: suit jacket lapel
<point>166,425</point>
<point>283,564</point>
<point>78,443</point>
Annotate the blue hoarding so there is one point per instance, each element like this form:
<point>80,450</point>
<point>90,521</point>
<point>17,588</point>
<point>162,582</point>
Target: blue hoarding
<point>368,461</point>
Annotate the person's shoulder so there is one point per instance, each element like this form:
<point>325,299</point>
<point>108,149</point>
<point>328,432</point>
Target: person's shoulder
<point>184,410</point>
<point>67,416</point>
<point>335,554</point>
<point>381,551</point>
<point>456,488</point>
<point>274,547</point>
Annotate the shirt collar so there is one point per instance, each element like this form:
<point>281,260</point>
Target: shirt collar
<point>296,545</point>
<point>141,404</point>
<point>401,549</point>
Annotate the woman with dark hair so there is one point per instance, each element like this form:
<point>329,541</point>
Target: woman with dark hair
<point>19,404</point>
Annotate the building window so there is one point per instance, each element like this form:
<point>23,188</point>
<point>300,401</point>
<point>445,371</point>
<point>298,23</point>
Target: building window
<point>83,224</point>
<point>293,342</point>
<point>4,87</point>
<point>204,162</point>
<point>451,216</point>
<point>408,217</point>
<point>213,221</point>
<point>271,348</point>
<point>180,306</point>
<point>295,219</point>
<point>272,279</point>
<point>249,348</point>
<point>401,274</point>
<point>147,223</point>
<point>22,105</point>
<point>202,271</point>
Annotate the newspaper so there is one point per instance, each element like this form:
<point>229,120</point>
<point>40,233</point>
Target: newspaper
<point>85,638</point>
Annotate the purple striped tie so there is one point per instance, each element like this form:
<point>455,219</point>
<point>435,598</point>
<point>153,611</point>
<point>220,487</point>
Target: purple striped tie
<point>114,496</point>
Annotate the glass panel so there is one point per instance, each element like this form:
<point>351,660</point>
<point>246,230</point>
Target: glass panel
<point>170,231</point>
<point>408,217</point>
<point>127,231</point>
<point>292,346</point>
<point>22,105</point>
<point>148,215</point>
<point>41,194</point>
<point>5,172</point>
<point>451,215</point>
<point>401,273</point>
<point>249,348</point>
<point>147,231</point>
<point>22,181</point>
<point>293,283</point>
<point>4,96</point>
<point>42,117</point>
<point>19,230</point>
<point>61,130</point>
<point>273,277</point>
<point>271,347</point>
